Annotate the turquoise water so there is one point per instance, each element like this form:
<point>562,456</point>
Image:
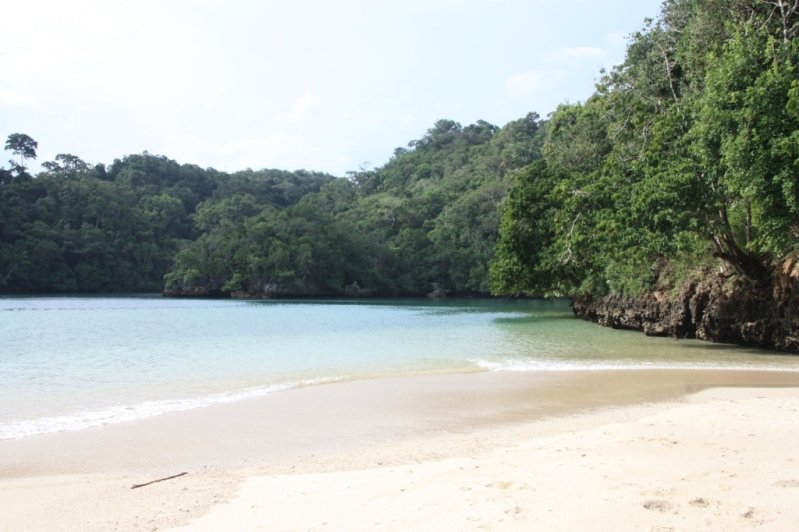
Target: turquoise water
<point>73,362</point>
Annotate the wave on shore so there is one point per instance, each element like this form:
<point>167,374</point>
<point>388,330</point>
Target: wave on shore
<point>517,365</point>
<point>123,413</point>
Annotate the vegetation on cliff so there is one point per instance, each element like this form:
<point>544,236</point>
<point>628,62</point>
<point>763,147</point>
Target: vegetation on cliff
<point>686,155</point>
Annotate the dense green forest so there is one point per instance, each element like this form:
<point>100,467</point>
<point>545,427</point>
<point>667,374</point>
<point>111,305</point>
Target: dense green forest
<point>428,219</point>
<point>686,155</point>
<point>77,227</point>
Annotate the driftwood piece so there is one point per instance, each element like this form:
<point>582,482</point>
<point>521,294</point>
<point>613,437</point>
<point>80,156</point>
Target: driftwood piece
<point>133,487</point>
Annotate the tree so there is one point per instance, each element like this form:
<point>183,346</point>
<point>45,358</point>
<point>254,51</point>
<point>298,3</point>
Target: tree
<point>686,154</point>
<point>22,145</point>
<point>525,244</point>
<point>746,143</point>
<point>67,163</point>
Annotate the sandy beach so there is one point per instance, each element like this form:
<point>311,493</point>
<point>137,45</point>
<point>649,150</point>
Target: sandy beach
<point>626,450</point>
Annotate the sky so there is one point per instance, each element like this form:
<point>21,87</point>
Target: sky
<point>332,86</point>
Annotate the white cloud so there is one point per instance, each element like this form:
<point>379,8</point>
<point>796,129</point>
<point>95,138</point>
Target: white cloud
<point>12,99</point>
<point>305,105</point>
<point>259,152</point>
<point>583,52</point>
<point>303,109</point>
<point>524,84</point>
<point>273,150</point>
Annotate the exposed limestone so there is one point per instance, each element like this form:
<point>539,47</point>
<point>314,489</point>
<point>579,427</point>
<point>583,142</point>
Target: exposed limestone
<point>716,308</point>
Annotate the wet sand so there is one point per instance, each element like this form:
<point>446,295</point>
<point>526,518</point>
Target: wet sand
<point>254,459</point>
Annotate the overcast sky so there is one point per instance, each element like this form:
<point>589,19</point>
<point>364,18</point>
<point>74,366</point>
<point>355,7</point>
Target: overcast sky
<point>330,85</point>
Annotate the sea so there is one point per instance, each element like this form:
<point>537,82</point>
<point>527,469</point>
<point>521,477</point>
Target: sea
<point>68,363</point>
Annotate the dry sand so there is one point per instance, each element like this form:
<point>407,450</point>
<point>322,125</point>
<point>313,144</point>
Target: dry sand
<point>630,450</point>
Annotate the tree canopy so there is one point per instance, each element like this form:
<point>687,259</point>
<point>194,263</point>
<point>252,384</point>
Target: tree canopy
<point>686,153</point>
<point>427,219</point>
<point>22,146</point>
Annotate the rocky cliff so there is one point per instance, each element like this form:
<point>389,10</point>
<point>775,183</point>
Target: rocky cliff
<point>715,308</point>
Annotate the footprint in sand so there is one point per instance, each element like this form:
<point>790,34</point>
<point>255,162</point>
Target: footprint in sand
<point>699,502</point>
<point>658,505</point>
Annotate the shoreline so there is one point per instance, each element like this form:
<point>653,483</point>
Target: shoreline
<point>78,478</point>
<point>135,412</point>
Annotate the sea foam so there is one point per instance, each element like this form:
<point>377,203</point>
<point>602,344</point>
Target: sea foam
<point>122,413</point>
<point>520,365</point>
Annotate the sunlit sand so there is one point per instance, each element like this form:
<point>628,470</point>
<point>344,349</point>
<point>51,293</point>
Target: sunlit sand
<point>596,450</point>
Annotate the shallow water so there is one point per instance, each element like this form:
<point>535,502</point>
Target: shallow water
<point>73,362</point>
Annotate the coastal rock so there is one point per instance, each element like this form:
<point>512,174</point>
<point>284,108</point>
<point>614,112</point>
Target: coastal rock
<point>354,290</point>
<point>437,293</point>
<point>714,308</point>
<point>214,288</point>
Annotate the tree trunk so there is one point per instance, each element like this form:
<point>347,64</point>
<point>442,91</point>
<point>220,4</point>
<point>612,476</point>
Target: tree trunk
<point>749,266</point>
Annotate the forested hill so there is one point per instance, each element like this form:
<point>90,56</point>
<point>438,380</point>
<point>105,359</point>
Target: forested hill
<point>669,200</point>
<point>78,228</point>
<point>426,220</point>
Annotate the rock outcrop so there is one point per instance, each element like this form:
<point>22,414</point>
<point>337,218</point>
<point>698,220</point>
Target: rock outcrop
<point>714,308</point>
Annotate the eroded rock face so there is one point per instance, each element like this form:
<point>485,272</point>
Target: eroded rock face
<point>714,309</point>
